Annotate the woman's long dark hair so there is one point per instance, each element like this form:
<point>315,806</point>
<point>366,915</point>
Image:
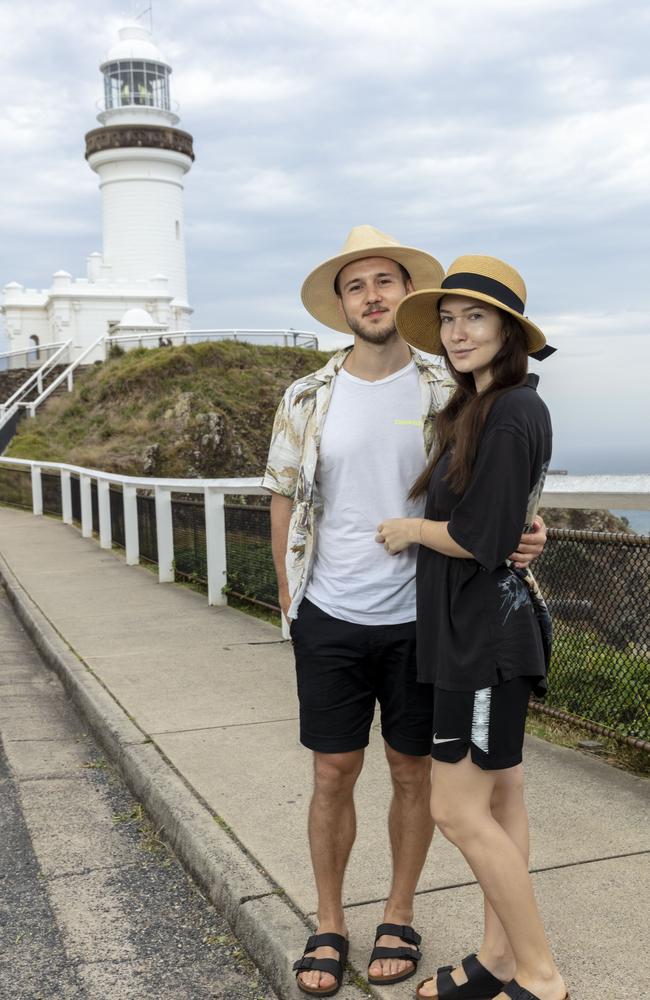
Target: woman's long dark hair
<point>460,423</point>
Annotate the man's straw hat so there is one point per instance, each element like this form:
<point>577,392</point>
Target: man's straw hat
<point>484,278</point>
<point>318,294</point>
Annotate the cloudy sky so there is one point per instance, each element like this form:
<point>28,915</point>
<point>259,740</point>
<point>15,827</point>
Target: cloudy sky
<point>518,128</point>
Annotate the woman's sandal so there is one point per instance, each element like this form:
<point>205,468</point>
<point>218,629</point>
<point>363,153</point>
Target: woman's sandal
<point>480,985</point>
<point>409,936</point>
<point>335,966</point>
<point>517,992</point>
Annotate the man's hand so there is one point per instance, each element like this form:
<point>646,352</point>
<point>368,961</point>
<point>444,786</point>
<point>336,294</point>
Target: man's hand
<point>531,545</point>
<point>398,533</point>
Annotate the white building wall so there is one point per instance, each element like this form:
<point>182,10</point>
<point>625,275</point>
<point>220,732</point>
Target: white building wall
<point>142,212</point>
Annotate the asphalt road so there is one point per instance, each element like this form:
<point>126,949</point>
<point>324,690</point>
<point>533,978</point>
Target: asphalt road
<point>93,906</point>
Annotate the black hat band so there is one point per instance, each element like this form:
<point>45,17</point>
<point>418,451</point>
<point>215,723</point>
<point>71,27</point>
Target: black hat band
<point>486,286</point>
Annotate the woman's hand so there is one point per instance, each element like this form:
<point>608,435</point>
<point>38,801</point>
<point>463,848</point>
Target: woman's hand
<point>398,533</point>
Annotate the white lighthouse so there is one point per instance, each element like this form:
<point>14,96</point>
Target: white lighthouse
<point>141,159</point>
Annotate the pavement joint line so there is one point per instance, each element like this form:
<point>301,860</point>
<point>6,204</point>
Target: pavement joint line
<point>207,847</point>
<point>533,871</point>
<point>259,642</point>
<point>222,725</point>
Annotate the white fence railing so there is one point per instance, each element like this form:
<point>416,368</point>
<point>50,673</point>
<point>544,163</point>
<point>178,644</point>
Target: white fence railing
<point>597,492</point>
<point>212,490</point>
<point>33,382</point>
<point>30,357</point>
<point>283,338</point>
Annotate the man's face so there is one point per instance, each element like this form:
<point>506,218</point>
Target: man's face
<point>370,291</point>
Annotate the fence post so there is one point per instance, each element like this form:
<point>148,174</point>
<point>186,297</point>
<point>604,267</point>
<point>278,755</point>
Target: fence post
<point>86,507</point>
<point>131,537</point>
<point>66,497</point>
<point>37,491</point>
<point>164,535</point>
<point>104,505</point>
<point>215,544</point>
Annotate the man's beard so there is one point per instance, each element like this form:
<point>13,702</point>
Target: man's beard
<point>369,336</point>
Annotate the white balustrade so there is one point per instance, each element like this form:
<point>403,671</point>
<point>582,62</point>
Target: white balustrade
<point>597,492</point>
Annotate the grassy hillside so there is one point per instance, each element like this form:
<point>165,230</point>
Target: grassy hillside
<point>196,411</point>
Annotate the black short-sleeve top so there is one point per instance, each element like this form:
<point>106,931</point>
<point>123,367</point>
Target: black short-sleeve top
<point>476,625</point>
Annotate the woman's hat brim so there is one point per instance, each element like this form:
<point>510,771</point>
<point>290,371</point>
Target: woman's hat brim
<point>320,299</point>
<point>418,321</point>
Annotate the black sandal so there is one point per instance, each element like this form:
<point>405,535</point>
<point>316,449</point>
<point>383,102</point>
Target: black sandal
<point>335,966</point>
<point>517,992</point>
<point>480,985</point>
<point>409,936</point>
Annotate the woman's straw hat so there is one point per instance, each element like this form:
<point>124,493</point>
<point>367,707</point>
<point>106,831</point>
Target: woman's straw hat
<point>318,294</point>
<point>484,278</point>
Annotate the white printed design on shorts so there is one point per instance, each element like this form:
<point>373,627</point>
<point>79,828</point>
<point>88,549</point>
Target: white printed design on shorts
<point>481,719</point>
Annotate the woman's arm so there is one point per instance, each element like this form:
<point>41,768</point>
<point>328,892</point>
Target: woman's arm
<point>398,533</point>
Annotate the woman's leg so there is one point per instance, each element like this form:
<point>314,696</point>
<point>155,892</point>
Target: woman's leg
<point>509,810</point>
<point>461,805</point>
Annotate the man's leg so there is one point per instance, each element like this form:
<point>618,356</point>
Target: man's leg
<point>332,830</point>
<point>410,828</point>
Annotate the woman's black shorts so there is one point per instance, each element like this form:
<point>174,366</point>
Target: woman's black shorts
<point>490,723</point>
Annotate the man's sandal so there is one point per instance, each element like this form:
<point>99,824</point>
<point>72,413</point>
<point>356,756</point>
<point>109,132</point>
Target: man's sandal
<point>480,985</point>
<point>409,936</point>
<point>517,992</point>
<point>335,966</point>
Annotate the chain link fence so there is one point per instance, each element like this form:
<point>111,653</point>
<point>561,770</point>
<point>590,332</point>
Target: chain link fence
<point>597,587</point>
<point>596,584</point>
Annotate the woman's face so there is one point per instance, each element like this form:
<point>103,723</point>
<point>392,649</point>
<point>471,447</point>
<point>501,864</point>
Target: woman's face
<point>471,334</point>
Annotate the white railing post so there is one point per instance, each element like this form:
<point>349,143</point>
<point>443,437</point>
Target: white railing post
<point>215,544</point>
<point>131,537</point>
<point>66,497</point>
<point>86,506</point>
<point>164,535</point>
<point>104,505</point>
<point>37,491</point>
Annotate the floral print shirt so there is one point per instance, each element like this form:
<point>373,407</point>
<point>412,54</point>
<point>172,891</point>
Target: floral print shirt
<point>294,450</point>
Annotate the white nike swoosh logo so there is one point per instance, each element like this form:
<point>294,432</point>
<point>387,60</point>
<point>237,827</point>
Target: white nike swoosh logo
<point>451,739</point>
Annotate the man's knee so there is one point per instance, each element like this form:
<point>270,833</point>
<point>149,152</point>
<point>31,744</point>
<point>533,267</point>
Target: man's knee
<point>410,775</point>
<point>336,773</point>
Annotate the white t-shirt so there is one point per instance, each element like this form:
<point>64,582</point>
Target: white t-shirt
<point>371,451</point>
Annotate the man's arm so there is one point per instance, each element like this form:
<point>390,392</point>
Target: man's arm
<point>531,545</point>
<point>280,517</point>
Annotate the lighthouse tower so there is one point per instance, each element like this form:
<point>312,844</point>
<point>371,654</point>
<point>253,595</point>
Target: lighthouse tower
<point>139,282</point>
<point>141,159</point>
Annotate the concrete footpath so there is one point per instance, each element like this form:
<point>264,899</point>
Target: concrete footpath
<point>196,706</point>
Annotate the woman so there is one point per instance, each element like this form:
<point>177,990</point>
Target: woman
<point>479,639</point>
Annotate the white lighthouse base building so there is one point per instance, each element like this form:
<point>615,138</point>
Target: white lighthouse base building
<point>82,310</point>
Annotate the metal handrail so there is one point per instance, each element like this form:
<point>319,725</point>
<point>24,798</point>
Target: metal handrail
<point>251,485</point>
<point>631,492</point>
<point>35,378</point>
<point>35,348</point>
<point>184,336</point>
<point>67,374</point>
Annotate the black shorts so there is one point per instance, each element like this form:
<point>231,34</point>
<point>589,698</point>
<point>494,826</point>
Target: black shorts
<point>343,669</point>
<point>490,723</point>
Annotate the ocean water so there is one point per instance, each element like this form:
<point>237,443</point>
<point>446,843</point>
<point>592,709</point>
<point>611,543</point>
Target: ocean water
<point>639,520</point>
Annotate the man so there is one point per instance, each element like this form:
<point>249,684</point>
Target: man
<point>347,443</point>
